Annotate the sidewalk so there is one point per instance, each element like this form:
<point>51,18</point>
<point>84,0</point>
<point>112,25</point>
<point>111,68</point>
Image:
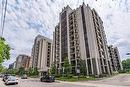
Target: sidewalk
<point>91,84</point>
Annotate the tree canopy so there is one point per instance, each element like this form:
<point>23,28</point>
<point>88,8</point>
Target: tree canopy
<point>53,69</point>
<point>66,66</point>
<point>33,71</point>
<point>4,50</point>
<point>82,66</point>
<point>126,64</point>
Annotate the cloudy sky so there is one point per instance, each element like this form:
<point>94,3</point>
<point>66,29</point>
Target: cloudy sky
<point>26,19</point>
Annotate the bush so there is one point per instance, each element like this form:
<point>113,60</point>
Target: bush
<point>64,75</point>
<point>92,76</point>
<point>58,76</point>
<point>122,71</point>
<point>13,75</point>
<point>103,75</point>
<point>75,76</point>
<point>115,73</point>
<point>69,76</point>
<point>87,76</point>
<point>128,72</point>
<point>82,76</point>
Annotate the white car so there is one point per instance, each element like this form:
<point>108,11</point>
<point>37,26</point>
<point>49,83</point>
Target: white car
<point>11,80</point>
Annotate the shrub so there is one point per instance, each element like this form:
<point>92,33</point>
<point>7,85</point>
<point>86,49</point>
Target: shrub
<point>70,76</point>
<point>128,72</point>
<point>58,75</point>
<point>103,75</point>
<point>122,71</point>
<point>115,72</point>
<point>87,76</point>
<point>75,76</point>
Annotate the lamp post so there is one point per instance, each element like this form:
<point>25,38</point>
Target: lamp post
<point>63,70</point>
<point>78,72</point>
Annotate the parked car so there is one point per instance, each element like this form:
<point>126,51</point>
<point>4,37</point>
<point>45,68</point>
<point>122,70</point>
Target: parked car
<point>47,78</point>
<point>24,77</point>
<point>11,80</point>
<point>5,77</point>
<point>1,75</point>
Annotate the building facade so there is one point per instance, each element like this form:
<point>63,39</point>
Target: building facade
<point>30,63</point>
<point>115,58</point>
<point>42,54</point>
<point>22,61</point>
<point>80,35</point>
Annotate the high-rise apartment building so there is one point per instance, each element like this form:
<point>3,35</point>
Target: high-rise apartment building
<point>115,58</point>
<point>22,61</point>
<point>30,63</point>
<point>35,51</point>
<point>42,53</point>
<point>80,35</point>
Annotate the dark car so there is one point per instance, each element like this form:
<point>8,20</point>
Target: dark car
<point>47,78</point>
<point>5,77</point>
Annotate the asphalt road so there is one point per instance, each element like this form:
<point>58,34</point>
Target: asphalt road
<point>37,83</point>
<point>122,80</point>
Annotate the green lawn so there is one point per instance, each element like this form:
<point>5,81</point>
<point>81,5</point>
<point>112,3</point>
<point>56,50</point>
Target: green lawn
<point>75,78</point>
<point>128,72</point>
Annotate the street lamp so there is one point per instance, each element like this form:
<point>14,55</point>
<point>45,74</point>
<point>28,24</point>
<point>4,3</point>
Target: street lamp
<point>63,70</point>
<point>78,72</point>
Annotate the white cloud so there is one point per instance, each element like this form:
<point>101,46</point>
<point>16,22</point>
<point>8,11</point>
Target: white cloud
<point>43,16</point>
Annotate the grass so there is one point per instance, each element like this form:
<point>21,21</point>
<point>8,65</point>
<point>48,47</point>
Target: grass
<point>75,78</point>
<point>128,72</point>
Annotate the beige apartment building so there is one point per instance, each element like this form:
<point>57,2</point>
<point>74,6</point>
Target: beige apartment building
<point>22,61</point>
<point>42,54</point>
<point>80,35</point>
<point>115,58</point>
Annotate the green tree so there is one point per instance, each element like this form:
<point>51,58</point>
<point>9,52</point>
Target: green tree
<point>82,67</point>
<point>35,71</point>
<point>30,71</point>
<point>2,69</point>
<point>66,66</point>
<point>4,50</point>
<point>126,64</point>
<point>21,71</point>
<point>12,71</point>
<point>53,69</point>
